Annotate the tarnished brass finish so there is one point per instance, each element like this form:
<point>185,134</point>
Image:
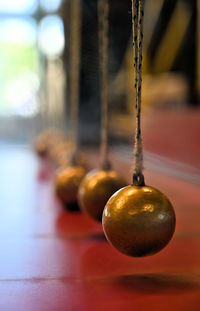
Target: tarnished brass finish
<point>95,190</point>
<point>67,182</point>
<point>139,220</point>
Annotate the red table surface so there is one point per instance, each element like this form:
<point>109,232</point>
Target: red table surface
<point>53,260</point>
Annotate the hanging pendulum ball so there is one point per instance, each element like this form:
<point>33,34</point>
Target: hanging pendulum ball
<point>139,220</point>
<point>58,149</point>
<point>67,183</point>
<point>95,190</point>
<point>47,140</point>
<point>41,146</point>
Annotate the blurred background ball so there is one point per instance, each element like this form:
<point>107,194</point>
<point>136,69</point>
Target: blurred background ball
<point>60,153</point>
<point>47,140</point>
<point>67,182</point>
<point>95,190</point>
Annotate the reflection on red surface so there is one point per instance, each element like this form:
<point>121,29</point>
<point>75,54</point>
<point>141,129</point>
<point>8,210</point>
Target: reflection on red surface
<point>45,171</point>
<point>76,225</point>
<point>55,260</point>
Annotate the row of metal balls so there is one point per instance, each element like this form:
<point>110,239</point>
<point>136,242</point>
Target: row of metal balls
<point>137,220</point>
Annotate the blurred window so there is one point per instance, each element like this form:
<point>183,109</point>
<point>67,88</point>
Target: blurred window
<point>51,36</point>
<point>50,6</point>
<point>18,6</point>
<point>19,81</point>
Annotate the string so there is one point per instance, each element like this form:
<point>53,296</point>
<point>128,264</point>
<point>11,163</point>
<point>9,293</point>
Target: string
<point>137,20</point>
<point>75,47</point>
<point>103,12</point>
<point>135,6</point>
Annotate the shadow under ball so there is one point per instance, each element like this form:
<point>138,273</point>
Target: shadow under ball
<point>95,190</point>
<point>139,220</point>
<point>67,183</point>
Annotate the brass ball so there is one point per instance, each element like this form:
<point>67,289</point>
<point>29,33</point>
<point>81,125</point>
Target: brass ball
<point>95,190</point>
<point>46,140</point>
<point>139,220</point>
<point>41,148</point>
<point>67,182</point>
<point>60,154</point>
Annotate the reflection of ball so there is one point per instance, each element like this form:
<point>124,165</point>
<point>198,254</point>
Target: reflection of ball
<point>67,183</point>
<point>95,190</point>
<point>139,220</point>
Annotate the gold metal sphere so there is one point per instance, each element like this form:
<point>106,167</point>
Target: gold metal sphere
<point>47,140</point>
<point>67,183</point>
<point>139,220</point>
<point>60,154</point>
<point>95,190</point>
<point>41,148</point>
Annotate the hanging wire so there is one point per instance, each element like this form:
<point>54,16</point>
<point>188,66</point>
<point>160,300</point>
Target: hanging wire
<point>137,19</point>
<point>75,48</point>
<point>45,120</point>
<point>135,6</point>
<point>103,13</point>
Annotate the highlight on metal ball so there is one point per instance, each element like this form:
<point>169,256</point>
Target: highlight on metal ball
<point>139,220</point>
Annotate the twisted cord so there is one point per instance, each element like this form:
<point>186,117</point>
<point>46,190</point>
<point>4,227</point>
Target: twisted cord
<point>103,12</point>
<point>75,48</point>
<point>138,16</point>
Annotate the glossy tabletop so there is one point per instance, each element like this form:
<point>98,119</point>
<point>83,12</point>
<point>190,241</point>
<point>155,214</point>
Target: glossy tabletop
<point>54,260</point>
